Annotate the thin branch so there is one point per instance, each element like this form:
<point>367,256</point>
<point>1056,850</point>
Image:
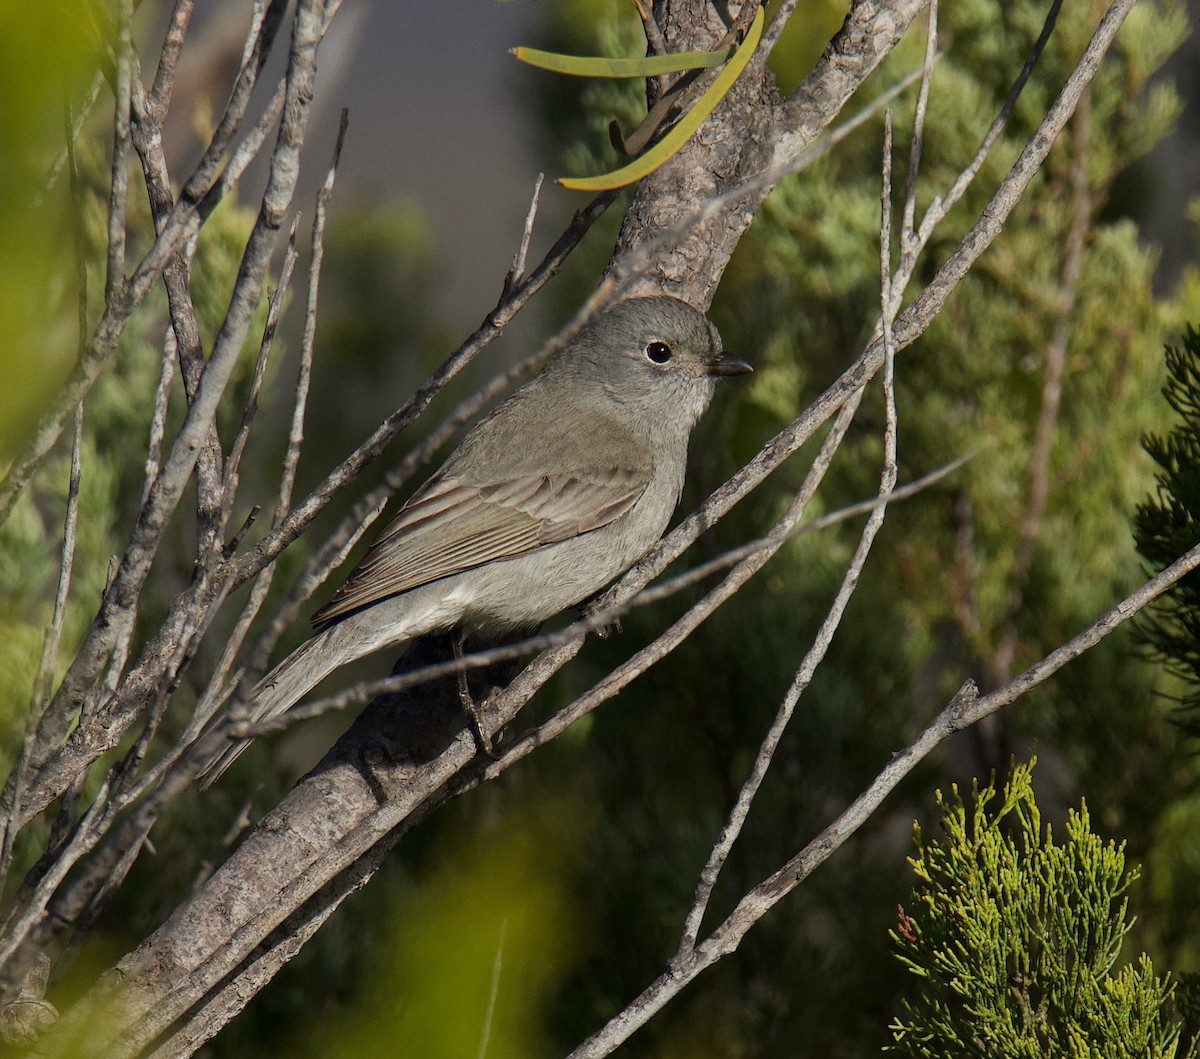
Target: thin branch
<point>940,207</point>
<point>168,60</point>
<point>168,488</point>
<point>119,186</point>
<point>275,301</point>
<point>105,725</point>
<point>184,220</point>
<point>296,435</point>
<point>517,272</point>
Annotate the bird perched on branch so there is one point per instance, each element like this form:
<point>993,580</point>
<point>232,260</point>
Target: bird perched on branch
<point>544,502</point>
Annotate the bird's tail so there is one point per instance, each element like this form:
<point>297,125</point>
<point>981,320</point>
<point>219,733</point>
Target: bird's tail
<point>282,688</point>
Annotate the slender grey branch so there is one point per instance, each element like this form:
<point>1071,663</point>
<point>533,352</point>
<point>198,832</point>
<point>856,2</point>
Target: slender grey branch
<point>119,185</point>
<point>914,150</point>
<point>291,459</point>
<point>275,302</point>
<point>101,730</point>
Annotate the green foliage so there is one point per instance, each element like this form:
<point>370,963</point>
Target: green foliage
<point>1014,939</point>
<point>1168,524</point>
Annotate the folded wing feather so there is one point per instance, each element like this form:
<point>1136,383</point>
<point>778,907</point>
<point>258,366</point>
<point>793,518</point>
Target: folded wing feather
<point>450,525</point>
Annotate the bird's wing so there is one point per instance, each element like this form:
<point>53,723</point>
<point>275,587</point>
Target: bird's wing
<point>451,525</point>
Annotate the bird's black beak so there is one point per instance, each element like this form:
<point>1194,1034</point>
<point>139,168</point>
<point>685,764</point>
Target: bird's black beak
<point>728,364</point>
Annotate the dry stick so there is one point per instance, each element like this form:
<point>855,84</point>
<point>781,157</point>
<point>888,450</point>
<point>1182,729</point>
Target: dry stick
<point>166,491</point>
<point>147,141</point>
<point>74,132</point>
<point>259,591</point>
<point>914,152</point>
<point>296,436</point>
<point>516,272</point>
<point>17,926</point>
<point>942,205</point>
<point>776,26</point>
<point>159,99</point>
<point>158,425</point>
<point>965,709</point>
<point>211,698</point>
<point>114,285</point>
<point>275,300</point>
<point>132,836</point>
<point>134,833</point>
<point>14,788</point>
<point>109,636</point>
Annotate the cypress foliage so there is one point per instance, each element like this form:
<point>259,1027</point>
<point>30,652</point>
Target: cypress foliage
<point>1015,939</point>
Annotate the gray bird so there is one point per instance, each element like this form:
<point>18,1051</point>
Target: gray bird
<point>544,502</point>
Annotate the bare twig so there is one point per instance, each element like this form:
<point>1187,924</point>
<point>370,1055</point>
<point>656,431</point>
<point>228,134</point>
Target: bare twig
<point>941,206</point>
<point>914,151</point>
<point>291,459</point>
<point>517,272</point>
<point>274,310</point>
<point>200,190</point>
<point>114,287</point>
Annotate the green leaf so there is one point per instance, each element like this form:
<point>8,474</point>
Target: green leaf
<point>602,66</point>
<point>682,130</point>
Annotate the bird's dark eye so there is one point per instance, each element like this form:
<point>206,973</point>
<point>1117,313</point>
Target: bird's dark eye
<point>659,352</point>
